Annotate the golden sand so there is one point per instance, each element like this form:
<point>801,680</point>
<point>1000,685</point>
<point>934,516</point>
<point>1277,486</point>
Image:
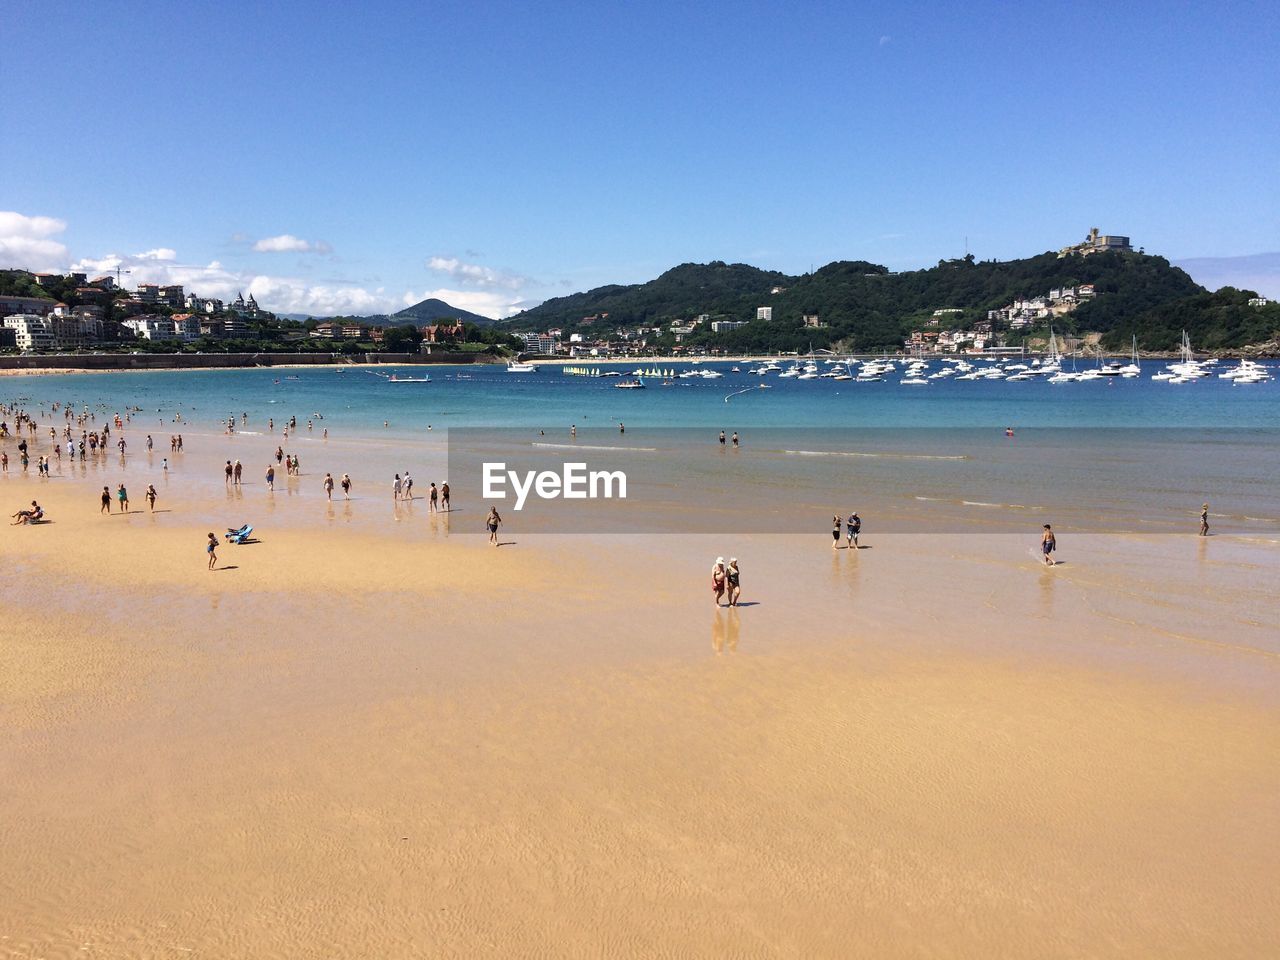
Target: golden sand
<point>365,739</point>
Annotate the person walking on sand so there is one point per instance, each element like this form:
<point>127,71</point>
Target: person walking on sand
<point>236,473</point>
<point>106,500</point>
<point>123,496</point>
<point>1204,520</point>
<point>228,470</point>
<point>151,496</point>
<point>211,548</point>
<point>718,577</point>
<point>835,532</point>
<point>150,443</point>
<point>346,487</point>
<point>853,527</point>
<point>434,496</point>
<point>408,486</point>
<point>444,496</point>
<point>1048,543</point>
<point>271,476</point>
<point>492,522</point>
<point>733,579</point>
<point>395,487</point>
<point>328,487</point>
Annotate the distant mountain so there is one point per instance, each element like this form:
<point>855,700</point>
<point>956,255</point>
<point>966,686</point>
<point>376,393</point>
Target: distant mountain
<point>684,291</point>
<point>863,306</point>
<point>429,311</point>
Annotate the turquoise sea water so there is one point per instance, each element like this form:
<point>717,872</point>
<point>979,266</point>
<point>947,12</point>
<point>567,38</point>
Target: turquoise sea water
<point>551,399</point>
<point>1110,455</point>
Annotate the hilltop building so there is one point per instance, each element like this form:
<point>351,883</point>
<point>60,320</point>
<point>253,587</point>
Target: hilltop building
<point>1097,243</point>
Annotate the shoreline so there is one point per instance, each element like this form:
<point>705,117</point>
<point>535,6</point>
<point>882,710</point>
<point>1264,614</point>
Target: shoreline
<point>125,366</point>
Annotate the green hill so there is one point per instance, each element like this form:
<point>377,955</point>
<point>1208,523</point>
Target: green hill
<point>863,306</point>
<point>429,311</point>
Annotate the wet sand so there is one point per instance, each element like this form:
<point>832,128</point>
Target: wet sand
<point>374,735</point>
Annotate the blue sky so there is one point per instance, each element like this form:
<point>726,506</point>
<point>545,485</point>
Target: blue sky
<point>334,157</point>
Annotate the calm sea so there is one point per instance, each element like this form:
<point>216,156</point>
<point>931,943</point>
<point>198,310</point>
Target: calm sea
<point>1108,455</point>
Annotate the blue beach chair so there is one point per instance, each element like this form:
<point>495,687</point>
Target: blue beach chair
<point>241,535</point>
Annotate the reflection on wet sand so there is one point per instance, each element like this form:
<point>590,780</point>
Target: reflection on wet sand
<point>724,631</point>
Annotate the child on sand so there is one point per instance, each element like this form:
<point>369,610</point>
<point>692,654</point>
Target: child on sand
<point>211,548</point>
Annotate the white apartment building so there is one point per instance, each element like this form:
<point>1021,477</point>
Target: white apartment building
<point>33,332</point>
<point>764,313</point>
<point>151,328</point>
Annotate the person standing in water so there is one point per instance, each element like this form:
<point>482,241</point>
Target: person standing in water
<point>835,532</point>
<point>492,522</point>
<point>433,497</point>
<point>853,527</point>
<point>444,496</point>
<point>346,487</point>
<point>1048,543</point>
<point>1204,520</point>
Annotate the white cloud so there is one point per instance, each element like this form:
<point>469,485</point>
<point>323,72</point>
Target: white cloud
<point>288,243</point>
<point>885,40</point>
<point>476,275</point>
<point>278,294</point>
<point>486,303</point>
<point>28,242</point>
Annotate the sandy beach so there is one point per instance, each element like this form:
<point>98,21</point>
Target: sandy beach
<point>372,734</point>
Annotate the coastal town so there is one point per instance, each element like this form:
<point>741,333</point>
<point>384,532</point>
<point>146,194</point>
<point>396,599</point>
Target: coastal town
<point>1074,294</point>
